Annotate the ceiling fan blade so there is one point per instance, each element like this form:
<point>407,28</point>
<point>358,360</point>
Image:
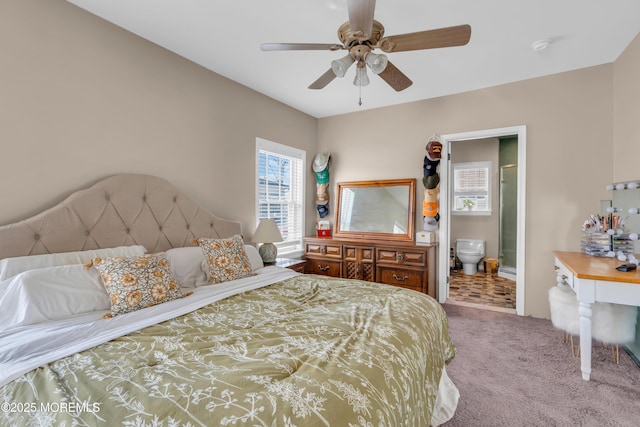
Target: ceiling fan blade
<point>324,80</point>
<point>395,78</point>
<point>299,46</point>
<point>430,39</point>
<point>361,17</point>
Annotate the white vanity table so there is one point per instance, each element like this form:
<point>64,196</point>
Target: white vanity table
<point>595,279</point>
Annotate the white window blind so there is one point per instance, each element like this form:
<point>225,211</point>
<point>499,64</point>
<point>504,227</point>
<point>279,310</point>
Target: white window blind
<point>471,187</point>
<point>280,191</point>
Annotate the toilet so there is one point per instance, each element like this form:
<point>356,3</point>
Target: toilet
<point>470,252</point>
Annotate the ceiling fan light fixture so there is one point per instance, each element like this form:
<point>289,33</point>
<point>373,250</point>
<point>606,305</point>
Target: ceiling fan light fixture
<point>340,66</point>
<point>361,77</point>
<point>377,62</point>
<point>361,34</point>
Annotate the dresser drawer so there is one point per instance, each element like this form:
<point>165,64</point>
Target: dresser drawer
<point>403,277</point>
<point>359,253</point>
<point>329,250</point>
<point>408,257</point>
<point>300,267</point>
<point>325,267</point>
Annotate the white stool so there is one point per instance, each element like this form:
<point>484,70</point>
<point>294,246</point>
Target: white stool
<point>564,314</point>
<point>612,324</point>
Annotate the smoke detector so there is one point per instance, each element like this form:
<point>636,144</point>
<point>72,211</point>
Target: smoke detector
<point>540,45</point>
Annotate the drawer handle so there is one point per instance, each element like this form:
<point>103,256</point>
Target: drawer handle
<point>400,279</point>
<point>555,267</point>
<point>323,250</point>
<point>565,277</point>
<point>321,268</point>
<point>399,257</point>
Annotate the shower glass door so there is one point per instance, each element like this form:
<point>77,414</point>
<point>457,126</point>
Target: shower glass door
<point>508,217</point>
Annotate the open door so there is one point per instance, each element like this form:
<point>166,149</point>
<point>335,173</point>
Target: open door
<point>445,208</point>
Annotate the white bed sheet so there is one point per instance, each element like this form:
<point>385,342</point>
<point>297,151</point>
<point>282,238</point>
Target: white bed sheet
<point>23,349</point>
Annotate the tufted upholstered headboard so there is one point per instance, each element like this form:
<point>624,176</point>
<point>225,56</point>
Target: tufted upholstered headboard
<point>127,209</point>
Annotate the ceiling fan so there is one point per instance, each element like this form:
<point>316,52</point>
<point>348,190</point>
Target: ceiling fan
<point>362,34</point>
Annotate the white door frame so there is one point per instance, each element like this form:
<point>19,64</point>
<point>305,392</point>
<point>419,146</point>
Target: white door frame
<point>445,207</point>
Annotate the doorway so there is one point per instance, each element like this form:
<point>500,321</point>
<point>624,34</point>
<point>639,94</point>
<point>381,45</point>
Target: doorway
<point>445,208</point>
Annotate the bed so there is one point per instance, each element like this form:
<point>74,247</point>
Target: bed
<point>267,347</point>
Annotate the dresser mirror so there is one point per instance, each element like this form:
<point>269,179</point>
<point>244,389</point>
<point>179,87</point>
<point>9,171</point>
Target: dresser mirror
<point>376,209</point>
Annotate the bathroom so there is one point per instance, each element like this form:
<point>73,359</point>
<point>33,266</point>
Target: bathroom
<point>484,222</point>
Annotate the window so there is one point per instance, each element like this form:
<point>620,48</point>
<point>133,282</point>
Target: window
<point>471,188</point>
<point>280,191</point>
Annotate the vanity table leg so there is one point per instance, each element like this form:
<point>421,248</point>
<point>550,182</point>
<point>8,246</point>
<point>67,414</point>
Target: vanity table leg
<point>585,339</point>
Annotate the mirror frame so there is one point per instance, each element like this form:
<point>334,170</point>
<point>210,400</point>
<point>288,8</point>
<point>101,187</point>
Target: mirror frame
<point>411,214</point>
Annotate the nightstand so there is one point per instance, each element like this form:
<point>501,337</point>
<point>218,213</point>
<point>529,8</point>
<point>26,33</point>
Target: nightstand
<point>298,265</point>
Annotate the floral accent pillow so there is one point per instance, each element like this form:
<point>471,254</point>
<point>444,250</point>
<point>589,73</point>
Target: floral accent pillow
<point>225,259</point>
<point>137,282</point>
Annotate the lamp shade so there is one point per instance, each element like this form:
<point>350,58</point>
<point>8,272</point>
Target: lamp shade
<point>361,77</point>
<point>376,62</point>
<point>267,232</point>
<point>340,66</point>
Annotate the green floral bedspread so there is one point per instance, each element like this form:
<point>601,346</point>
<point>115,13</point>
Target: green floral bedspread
<point>308,351</point>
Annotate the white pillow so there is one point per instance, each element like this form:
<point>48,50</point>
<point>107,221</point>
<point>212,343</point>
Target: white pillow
<point>3,287</point>
<point>51,293</point>
<point>186,265</point>
<point>254,257</point>
<point>9,267</point>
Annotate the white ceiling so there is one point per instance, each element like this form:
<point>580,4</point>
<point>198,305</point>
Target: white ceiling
<point>225,35</point>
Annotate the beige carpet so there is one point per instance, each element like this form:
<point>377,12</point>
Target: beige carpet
<point>516,371</point>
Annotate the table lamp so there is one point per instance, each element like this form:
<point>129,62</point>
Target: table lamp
<point>267,233</point>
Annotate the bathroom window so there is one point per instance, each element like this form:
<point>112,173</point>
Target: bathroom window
<point>471,188</point>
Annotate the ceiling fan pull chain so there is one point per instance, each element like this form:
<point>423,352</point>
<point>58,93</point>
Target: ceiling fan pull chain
<point>359,95</point>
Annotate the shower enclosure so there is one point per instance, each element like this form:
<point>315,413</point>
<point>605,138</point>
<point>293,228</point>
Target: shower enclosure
<point>508,221</point>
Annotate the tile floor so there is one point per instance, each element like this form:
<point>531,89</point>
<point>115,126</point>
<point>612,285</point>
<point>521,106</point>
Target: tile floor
<point>485,290</point>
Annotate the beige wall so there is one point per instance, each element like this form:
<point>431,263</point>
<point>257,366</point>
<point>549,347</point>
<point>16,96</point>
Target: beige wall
<point>81,99</point>
<point>483,227</point>
<point>626,114</point>
<point>626,137</point>
<point>568,116</point>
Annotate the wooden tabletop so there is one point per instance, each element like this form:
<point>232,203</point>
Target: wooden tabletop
<point>287,262</point>
<point>597,268</point>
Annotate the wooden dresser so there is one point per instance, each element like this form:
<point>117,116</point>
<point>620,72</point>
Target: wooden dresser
<point>402,264</point>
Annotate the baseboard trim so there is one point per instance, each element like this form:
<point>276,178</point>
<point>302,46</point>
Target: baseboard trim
<point>632,355</point>
<point>507,274</point>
